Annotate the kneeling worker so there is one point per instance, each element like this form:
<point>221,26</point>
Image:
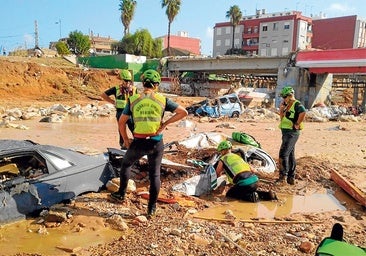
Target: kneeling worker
<point>241,175</point>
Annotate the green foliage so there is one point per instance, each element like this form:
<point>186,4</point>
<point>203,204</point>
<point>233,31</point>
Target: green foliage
<point>235,51</point>
<point>62,48</point>
<point>79,44</point>
<point>234,14</point>
<point>127,8</point>
<point>172,8</point>
<point>140,43</point>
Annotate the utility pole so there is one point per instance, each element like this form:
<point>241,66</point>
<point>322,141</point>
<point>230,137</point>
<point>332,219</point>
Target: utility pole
<point>36,33</point>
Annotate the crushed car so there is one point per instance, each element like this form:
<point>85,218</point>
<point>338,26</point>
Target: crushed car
<point>34,177</point>
<point>227,105</point>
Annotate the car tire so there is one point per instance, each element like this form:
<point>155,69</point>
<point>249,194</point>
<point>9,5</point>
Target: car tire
<point>235,114</point>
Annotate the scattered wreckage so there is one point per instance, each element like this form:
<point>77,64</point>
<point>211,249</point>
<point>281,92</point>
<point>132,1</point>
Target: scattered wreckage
<point>34,177</point>
<point>243,144</point>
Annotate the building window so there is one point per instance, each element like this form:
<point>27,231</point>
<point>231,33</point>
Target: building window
<point>286,26</point>
<point>275,27</point>
<point>218,42</point>
<point>237,42</point>
<point>227,42</point>
<point>249,30</point>
<point>218,31</point>
<point>228,30</point>
<point>274,52</point>
<point>265,28</point>
<point>255,29</point>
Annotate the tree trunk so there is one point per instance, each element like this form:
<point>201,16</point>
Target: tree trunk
<point>232,45</point>
<point>168,50</point>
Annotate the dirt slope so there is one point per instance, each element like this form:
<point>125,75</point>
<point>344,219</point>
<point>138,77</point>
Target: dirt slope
<point>50,80</point>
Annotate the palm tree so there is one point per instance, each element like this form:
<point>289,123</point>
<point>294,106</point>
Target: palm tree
<point>235,15</point>
<point>127,8</point>
<point>172,9</point>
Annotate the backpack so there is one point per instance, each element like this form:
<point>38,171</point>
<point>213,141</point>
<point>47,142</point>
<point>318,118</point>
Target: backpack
<point>336,246</point>
<point>245,138</point>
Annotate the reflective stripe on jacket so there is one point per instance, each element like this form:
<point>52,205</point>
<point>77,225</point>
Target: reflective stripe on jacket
<point>147,113</point>
<point>121,98</point>
<point>290,118</point>
<point>235,165</point>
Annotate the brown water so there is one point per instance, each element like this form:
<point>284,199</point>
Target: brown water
<point>288,204</point>
<point>27,237</point>
<point>92,134</point>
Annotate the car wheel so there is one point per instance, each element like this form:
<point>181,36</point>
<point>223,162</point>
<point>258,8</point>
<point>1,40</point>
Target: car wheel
<point>235,114</point>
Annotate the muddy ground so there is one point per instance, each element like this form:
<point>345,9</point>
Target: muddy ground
<point>174,231</point>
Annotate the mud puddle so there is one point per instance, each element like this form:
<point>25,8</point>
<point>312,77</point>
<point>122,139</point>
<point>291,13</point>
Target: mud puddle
<point>28,237</point>
<point>286,205</point>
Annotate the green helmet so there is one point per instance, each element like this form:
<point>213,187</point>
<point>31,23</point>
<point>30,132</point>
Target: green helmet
<point>125,75</point>
<point>224,145</point>
<point>287,90</point>
<point>152,76</point>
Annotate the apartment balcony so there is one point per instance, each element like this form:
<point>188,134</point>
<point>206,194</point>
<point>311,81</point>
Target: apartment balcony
<point>250,35</point>
<point>251,47</point>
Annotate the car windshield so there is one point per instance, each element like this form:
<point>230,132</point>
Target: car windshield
<point>58,162</point>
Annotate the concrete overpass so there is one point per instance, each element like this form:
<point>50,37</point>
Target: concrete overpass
<point>228,65</point>
<point>341,61</point>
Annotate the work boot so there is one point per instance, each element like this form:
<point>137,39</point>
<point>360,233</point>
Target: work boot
<point>151,211</point>
<point>254,197</point>
<point>291,181</point>
<point>281,179</point>
<point>117,196</point>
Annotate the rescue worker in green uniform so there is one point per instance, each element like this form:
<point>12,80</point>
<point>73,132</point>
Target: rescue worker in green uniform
<point>147,112</point>
<point>292,114</point>
<point>121,93</point>
<point>241,175</point>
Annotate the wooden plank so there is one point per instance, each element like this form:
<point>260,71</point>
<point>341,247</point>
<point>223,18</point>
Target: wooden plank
<point>352,190</point>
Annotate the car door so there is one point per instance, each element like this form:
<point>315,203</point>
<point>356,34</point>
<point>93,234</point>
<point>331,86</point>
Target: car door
<point>225,106</point>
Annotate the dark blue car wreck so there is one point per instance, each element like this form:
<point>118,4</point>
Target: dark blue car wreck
<point>34,177</point>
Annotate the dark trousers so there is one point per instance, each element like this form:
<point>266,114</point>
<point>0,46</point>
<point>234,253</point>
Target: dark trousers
<point>287,159</point>
<point>139,147</point>
<point>245,192</point>
<point>129,125</point>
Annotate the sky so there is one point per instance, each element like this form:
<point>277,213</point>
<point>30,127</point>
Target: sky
<point>102,17</point>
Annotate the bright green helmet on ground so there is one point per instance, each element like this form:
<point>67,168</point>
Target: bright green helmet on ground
<point>152,76</point>
<point>287,90</point>
<point>125,75</point>
<point>224,145</point>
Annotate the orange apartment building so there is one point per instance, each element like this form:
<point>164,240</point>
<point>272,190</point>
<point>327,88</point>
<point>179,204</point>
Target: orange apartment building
<point>181,44</point>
